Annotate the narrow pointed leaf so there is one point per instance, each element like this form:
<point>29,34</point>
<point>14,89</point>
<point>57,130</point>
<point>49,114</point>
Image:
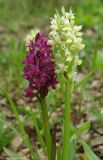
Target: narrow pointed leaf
<point>13,155</point>
<point>83,82</point>
<point>89,152</point>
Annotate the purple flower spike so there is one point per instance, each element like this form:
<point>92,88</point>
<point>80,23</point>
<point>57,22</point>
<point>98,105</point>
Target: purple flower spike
<point>39,67</point>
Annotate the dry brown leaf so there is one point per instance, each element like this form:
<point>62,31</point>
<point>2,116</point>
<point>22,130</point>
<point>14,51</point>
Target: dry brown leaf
<point>16,143</point>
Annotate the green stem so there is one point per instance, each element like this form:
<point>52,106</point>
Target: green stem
<point>37,130</point>
<point>46,127</point>
<point>53,135</point>
<point>66,129</point>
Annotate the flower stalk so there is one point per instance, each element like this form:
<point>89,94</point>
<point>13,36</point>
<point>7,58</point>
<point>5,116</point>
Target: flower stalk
<point>46,127</point>
<point>67,122</point>
<point>40,138</point>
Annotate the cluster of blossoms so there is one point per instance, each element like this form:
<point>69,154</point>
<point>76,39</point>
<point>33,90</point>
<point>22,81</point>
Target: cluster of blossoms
<point>66,37</point>
<point>39,67</point>
<point>65,43</point>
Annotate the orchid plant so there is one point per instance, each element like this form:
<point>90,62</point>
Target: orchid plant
<point>51,60</point>
<point>66,38</point>
<point>39,70</point>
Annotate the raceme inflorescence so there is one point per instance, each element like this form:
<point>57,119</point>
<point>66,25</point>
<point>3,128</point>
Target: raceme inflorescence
<point>39,67</point>
<point>66,38</point>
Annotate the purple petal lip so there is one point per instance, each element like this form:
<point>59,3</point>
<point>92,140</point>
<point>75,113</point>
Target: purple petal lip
<point>39,67</point>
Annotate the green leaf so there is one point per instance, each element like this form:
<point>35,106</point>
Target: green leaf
<point>37,157</point>
<point>13,155</point>
<point>73,130</point>
<point>61,78</point>
<point>93,64</point>
<point>59,155</point>
<point>99,61</point>
<point>5,134</point>
<point>24,134</point>
<point>83,128</point>
<point>73,148</point>
<point>2,121</point>
<point>8,138</point>
<point>89,152</point>
<point>96,112</point>
<point>83,82</point>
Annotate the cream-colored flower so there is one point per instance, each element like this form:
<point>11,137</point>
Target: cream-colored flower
<point>66,37</point>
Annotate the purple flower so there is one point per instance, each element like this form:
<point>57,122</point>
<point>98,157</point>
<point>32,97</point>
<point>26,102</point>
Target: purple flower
<point>39,67</point>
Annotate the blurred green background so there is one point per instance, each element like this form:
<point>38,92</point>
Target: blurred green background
<point>18,17</point>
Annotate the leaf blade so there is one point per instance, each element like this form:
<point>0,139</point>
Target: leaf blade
<point>13,155</point>
<point>89,152</point>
